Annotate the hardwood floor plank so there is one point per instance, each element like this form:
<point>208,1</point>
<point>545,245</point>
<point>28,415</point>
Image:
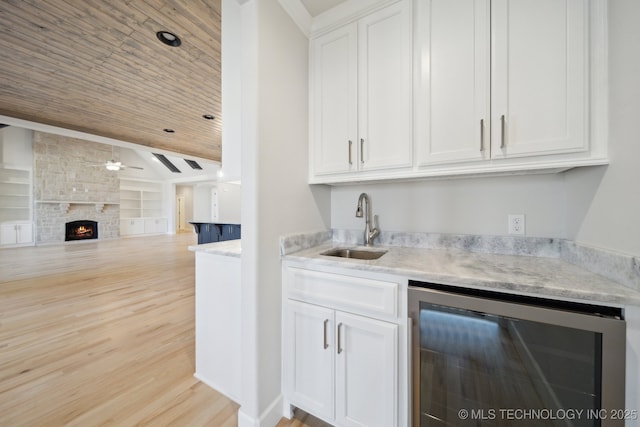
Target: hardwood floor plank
<point>102,334</point>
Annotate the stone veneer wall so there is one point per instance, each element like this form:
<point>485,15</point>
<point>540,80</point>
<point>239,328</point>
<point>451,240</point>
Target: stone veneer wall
<point>63,172</point>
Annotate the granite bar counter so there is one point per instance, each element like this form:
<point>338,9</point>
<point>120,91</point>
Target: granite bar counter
<point>544,276</point>
<point>232,248</point>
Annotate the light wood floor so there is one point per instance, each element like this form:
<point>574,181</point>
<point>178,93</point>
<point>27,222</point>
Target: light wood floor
<point>102,333</point>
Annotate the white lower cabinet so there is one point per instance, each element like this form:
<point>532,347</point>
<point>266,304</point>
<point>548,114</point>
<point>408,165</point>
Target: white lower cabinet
<point>139,226</point>
<point>16,234</point>
<point>309,330</point>
<point>341,366</point>
<point>366,366</point>
<point>131,226</point>
<point>155,225</point>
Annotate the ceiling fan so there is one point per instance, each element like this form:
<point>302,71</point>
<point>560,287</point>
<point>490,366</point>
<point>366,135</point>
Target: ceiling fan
<point>112,165</point>
<point>116,166</point>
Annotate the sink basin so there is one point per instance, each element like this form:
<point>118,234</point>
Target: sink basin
<point>354,253</point>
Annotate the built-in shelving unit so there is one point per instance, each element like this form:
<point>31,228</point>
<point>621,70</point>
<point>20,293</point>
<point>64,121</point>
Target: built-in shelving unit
<point>15,195</point>
<point>16,227</point>
<point>140,199</point>
<point>141,208</point>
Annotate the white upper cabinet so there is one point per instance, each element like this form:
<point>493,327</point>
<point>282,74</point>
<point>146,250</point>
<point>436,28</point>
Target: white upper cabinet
<point>334,120</point>
<point>430,88</point>
<point>384,88</point>
<point>453,81</point>
<point>501,79</point>
<point>361,94</point>
<point>539,99</point>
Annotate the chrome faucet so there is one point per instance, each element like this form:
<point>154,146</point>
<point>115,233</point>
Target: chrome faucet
<point>369,234</point>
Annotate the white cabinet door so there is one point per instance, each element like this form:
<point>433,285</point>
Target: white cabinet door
<point>309,353</point>
<point>155,225</point>
<point>334,126</point>
<point>366,372</point>
<point>452,81</point>
<point>540,80</point>
<point>385,88</point>
<point>12,234</point>
<point>130,227</point>
<point>361,94</point>
<point>24,233</point>
<point>8,234</point>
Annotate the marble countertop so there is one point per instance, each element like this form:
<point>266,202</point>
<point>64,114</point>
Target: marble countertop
<point>232,248</point>
<point>540,276</point>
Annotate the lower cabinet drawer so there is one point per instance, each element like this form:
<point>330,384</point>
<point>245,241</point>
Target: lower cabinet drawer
<point>358,295</point>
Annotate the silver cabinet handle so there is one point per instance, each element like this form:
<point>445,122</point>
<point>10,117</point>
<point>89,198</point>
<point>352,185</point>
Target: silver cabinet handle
<point>481,135</point>
<point>361,150</point>
<point>350,144</point>
<point>339,339</point>
<point>326,345</point>
<point>502,141</point>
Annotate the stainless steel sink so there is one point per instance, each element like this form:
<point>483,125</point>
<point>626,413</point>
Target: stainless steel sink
<point>354,253</point>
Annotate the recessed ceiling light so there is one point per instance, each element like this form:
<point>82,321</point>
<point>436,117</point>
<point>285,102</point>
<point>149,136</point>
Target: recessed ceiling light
<point>168,130</point>
<point>168,38</point>
<point>208,116</point>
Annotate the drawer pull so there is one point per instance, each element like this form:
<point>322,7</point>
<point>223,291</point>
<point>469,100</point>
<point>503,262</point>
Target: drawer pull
<point>339,338</point>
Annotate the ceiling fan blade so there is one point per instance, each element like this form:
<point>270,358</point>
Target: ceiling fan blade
<point>132,167</point>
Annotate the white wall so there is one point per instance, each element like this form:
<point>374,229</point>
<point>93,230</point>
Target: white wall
<point>231,92</point>
<point>202,202</point>
<point>229,202</point>
<point>275,197</point>
<point>603,204</point>
<point>16,147</point>
<point>596,206</point>
<point>131,158</point>
<point>464,206</point>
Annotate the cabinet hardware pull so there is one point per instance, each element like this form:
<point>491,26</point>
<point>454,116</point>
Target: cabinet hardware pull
<point>502,142</point>
<point>326,345</point>
<point>361,150</point>
<point>350,143</point>
<point>339,338</point>
<point>481,135</point>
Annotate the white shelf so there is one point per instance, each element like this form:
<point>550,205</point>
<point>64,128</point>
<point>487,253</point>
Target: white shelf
<point>66,204</point>
<point>140,199</point>
<point>15,195</point>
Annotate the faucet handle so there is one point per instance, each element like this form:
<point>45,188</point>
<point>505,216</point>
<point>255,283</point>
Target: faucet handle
<point>375,231</point>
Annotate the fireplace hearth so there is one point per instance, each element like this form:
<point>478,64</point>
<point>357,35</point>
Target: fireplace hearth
<point>81,230</point>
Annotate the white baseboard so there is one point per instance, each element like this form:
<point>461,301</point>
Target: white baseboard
<point>269,418</point>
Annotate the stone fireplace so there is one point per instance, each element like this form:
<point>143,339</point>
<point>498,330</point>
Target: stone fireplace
<point>69,187</point>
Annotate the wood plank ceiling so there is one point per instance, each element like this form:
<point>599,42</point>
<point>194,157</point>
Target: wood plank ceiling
<point>96,66</point>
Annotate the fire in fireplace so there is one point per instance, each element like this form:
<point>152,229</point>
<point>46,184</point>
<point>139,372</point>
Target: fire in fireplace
<point>81,230</point>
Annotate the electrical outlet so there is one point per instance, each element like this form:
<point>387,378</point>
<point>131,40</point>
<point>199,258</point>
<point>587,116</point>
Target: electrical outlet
<point>516,224</point>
